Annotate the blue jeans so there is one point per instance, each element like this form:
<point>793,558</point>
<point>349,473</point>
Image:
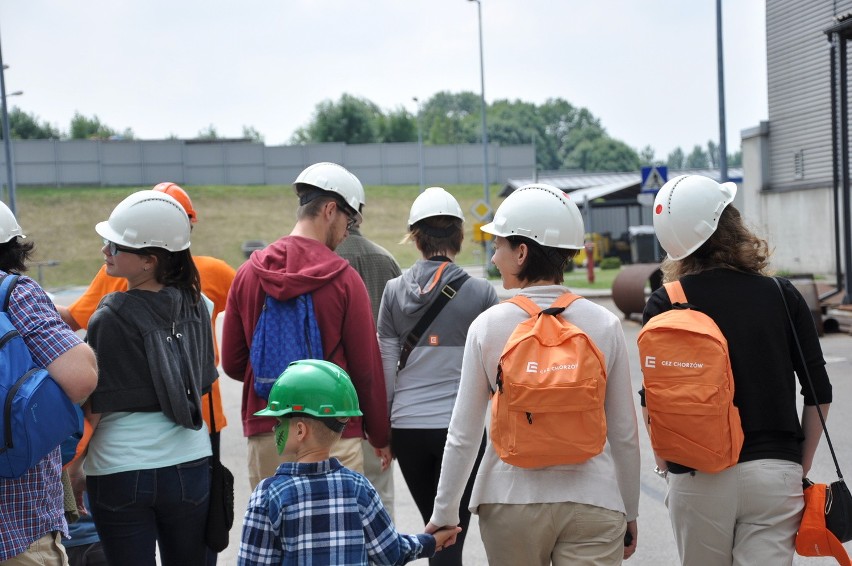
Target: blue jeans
<point>134,511</point>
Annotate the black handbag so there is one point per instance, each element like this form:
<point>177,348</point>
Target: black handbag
<point>838,500</point>
<point>220,514</point>
<point>838,510</point>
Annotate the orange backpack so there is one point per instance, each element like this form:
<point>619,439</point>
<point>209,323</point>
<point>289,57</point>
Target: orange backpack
<point>689,388</point>
<point>548,408</point>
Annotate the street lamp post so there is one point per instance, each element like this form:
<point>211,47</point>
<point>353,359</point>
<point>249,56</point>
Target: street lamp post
<point>7,141</point>
<point>486,186</point>
<point>720,70</point>
<point>419,145</point>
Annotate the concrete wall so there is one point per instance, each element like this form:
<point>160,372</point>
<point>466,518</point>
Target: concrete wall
<point>115,163</point>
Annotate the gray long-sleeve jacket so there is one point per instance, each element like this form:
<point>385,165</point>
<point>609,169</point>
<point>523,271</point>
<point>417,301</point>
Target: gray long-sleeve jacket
<point>143,364</point>
<point>422,395</point>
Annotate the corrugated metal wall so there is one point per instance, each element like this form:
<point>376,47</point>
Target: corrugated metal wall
<point>799,91</point>
<point>116,163</point>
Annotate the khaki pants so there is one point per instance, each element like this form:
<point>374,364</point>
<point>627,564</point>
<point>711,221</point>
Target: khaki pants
<point>263,458</point>
<point>745,515</point>
<point>564,534</point>
<point>46,551</point>
<point>382,481</point>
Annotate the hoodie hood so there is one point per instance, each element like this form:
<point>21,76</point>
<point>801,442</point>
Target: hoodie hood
<point>294,265</point>
<point>422,282</point>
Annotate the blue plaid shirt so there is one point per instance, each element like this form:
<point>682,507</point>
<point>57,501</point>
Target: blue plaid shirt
<point>323,514</point>
<point>31,505</point>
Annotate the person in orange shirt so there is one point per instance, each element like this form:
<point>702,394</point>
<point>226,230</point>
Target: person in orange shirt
<point>216,278</point>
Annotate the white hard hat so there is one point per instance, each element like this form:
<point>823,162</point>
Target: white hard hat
<point>541,213</point>
<point>434,201</point>
<point>687,210</point>
<point>147,219</point>
<point>9,227</point>
<point>336,179</point>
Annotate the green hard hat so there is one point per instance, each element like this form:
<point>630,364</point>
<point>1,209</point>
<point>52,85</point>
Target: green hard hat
<point>313,387</point>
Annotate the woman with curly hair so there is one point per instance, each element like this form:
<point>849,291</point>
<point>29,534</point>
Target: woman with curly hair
<point>748,513</point>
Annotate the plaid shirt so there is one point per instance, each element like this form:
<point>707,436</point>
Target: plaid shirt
<point>323,514</point>
<point>31,505</point>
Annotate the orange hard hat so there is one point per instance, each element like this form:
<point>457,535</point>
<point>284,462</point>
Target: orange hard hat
<point>179,195</point>
<point>814,538</point>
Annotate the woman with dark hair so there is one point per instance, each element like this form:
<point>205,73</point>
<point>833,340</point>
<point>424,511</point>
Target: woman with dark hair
<point>147,463</point>
<point>748,513</point>
<point>422,379</point>
<point>562,514</point>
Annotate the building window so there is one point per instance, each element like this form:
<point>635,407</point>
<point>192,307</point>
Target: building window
<point>799,164</point>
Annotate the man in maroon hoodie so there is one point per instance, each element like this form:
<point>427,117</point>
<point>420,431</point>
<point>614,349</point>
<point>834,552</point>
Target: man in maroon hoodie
<point>305,262</point>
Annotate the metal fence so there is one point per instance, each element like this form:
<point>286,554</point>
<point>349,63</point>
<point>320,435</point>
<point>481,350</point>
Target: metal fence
<point>115,163</point>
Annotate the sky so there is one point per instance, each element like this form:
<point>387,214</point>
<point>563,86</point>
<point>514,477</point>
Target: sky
<point>646,68</point>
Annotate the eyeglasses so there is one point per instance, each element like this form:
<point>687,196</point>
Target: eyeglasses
<point>352,218</point>
<point>114,249</point>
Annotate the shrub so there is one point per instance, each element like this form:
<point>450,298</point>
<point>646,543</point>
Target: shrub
<point>612,262</point>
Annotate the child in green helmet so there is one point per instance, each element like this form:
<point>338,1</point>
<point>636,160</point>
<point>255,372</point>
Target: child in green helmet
<point>314,510</point>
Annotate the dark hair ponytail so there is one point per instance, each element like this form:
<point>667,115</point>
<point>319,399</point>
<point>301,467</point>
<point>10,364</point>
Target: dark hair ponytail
<point>176,269</point>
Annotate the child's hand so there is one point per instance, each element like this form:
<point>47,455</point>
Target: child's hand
<point>445,536</point>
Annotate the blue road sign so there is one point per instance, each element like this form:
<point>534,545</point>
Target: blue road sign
<point>653,178</point>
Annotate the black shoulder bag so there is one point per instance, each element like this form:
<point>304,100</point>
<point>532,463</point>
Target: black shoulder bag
<point>448,292</point>
<point>220,514</point>
<point>838,500</point>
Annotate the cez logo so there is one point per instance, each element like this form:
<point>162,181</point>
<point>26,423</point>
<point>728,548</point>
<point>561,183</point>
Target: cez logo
<point>33,410</point>
<point>532,367</point>
<point>650,361</point>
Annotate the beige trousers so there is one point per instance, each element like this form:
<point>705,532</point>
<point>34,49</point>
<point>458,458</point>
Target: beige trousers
<point>46,551</point>
<point>562,534</point>
<point>382,481</point>
<point>263,458</point>
<point>745,515</point>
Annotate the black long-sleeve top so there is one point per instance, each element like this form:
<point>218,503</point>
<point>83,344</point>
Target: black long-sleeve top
<point>749,311</point>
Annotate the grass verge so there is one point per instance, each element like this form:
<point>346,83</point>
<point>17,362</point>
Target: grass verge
<point>61,222</point>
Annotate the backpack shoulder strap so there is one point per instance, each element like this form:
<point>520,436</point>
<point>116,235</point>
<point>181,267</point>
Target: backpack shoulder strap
<point>447,293</point>
<point>7,283</point>
<point>525,303</point>
<point>532,309</point>
<point>675,291</point>
<point>565,300</point>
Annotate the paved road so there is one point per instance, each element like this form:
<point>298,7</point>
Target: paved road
<point>655,542</point>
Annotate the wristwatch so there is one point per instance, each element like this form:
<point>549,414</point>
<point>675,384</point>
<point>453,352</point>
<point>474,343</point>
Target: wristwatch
<point>662,473</point>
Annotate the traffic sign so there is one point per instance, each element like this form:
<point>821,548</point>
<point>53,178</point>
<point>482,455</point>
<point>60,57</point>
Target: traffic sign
<point>478,235</point>
<point>480,209</point>
<point>653,178</point>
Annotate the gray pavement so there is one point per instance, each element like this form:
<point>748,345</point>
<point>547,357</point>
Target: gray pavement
<point>655,541</point>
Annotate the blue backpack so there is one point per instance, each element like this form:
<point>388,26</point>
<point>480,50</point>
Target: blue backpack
<point>37,414</point>
<point>286,331</point>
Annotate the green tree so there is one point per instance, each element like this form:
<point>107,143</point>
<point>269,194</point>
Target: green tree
<point>83,128</point>
<point>564,135</point>
<point>249,132</point>
<point>713,154</point>
<point>735,159</point>
<point>647,156</point>
<point>26,126</point>
<point>697,159</point>
<point>349,120</point>
<point>450,118</point>
<point>676,159</point>
<point>602,154</point>
<point>209,133</point>
<point>397,126</point>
